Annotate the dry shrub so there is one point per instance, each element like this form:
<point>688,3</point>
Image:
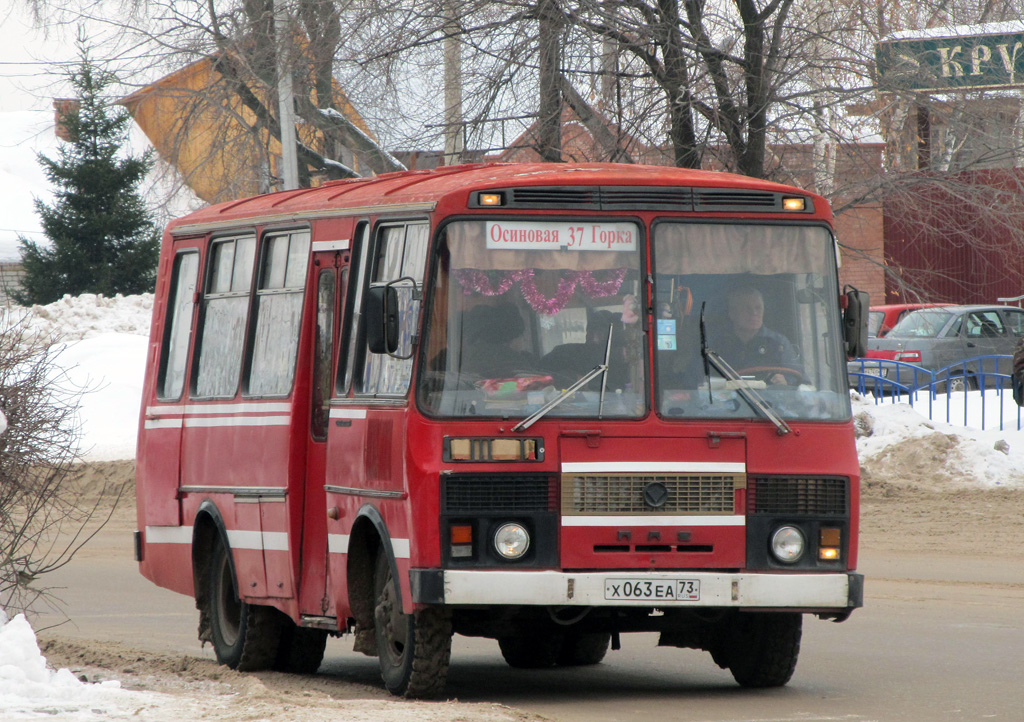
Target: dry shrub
<point>46,512</point>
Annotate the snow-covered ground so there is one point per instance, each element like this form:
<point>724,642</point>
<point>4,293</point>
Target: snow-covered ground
<point>105,349</point>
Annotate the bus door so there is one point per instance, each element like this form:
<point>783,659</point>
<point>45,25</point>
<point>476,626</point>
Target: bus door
<point>328,281</point>
<point>366,444</point>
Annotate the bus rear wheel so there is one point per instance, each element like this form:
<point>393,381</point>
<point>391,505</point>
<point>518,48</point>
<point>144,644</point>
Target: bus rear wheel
<point>245,636</point>
<point>763,648</point>
<point>413,650</point>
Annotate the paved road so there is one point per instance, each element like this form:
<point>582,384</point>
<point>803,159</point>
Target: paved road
<point>939,639</point>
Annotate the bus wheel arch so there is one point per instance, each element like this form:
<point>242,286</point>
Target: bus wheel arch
<point>244,636</point>
<point>207,531</point>
<point>363,547</point>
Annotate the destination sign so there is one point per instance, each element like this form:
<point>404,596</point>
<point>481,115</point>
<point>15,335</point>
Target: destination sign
<point>560,235</point>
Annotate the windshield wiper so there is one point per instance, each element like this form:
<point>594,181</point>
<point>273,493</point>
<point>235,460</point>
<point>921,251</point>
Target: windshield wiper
<point>601,368</point>
<point>747,392</point>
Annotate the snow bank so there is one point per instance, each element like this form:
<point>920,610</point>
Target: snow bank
<point>109,368</point>
<point>30,690</point>
<point>102,353</point>
<point>974,458</point>
<point>73,318</point>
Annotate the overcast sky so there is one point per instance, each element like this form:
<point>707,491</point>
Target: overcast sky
<point>30,75</point>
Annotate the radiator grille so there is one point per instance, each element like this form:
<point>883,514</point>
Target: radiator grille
<point>624,494</point>
<point>721,200</point>
<point>653,198</point>
<point>584,197</point>
<point>470,493</point>
<point>821,497</point>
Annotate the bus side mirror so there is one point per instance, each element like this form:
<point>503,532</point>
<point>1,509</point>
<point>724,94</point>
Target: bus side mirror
<point>855,322</point>
<point>382,319</point>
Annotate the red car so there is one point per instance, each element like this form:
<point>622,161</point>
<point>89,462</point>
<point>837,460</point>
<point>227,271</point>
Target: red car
<point>883,318</point>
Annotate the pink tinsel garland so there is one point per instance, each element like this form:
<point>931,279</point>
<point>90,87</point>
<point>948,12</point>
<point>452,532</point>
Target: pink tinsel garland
<point>474,280</point>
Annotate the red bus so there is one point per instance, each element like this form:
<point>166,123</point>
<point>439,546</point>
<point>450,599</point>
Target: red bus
<point>546,404</point>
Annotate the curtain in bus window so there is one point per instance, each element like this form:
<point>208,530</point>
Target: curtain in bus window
<point>181,303</point>
<point>760,249</point>
<point>278,314</point>
<point>226,305</point>
<point>402,254</point>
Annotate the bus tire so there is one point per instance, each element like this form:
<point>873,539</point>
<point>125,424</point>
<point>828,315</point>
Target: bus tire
<point>531,649</point>
<point>764,648</point>
<point>581,650</point>
<point>301,649</point>
<point>244,636</point>
<point>413,650</point>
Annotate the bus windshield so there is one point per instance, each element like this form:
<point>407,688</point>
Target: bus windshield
<point>768,298</point>
<point>523,309</point>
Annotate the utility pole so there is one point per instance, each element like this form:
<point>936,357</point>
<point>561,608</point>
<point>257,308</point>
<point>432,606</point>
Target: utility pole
<point>454,130</point>
<point>285,100</point>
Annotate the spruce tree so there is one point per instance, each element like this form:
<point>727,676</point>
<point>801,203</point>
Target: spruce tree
<point>102,236</point>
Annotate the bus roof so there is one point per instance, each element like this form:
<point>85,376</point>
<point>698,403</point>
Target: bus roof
<point>423,190</point>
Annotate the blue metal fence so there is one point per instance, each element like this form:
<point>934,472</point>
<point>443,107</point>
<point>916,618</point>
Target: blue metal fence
<point>897,381</point>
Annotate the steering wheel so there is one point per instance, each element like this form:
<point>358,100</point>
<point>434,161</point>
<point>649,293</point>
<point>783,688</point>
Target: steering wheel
<point>766,373</point>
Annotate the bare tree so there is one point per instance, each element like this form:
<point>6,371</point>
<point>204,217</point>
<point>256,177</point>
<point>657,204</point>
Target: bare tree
<point>46,511</point>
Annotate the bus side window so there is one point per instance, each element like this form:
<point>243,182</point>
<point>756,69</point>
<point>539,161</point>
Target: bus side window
<point>225,307</point>
<point>278,312</point>
<point>178,331</point>
<point>402,252</point>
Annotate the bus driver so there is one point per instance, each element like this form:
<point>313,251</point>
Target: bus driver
<point>749,345</point>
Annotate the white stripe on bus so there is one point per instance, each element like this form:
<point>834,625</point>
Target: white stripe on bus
<point>163,423</point>
<point>273,541</point>
<point>242,408</point>
<point>237,421</point>
<point>348,413</point>
<point>653,467</point>
<point>667,520</point>
<point>168,535</point>
<point>338,544</point>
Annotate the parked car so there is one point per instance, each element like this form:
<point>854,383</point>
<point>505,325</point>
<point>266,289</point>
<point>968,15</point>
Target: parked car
<point>881,319</point>
<point>940,336</point>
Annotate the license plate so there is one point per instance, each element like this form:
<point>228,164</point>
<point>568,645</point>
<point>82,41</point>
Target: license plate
<point>655,590</point>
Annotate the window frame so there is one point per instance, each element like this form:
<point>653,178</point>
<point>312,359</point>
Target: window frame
<point>204,301</point>
<point>257,293</point>
<point>369,266</point>
<point>171,319</point>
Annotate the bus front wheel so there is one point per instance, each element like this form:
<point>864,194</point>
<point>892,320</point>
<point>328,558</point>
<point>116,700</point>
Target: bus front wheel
<point>413,649</point>
<point>244,636</point>
<point>762,648</point>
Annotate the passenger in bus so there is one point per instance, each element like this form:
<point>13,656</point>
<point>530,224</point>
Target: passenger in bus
<point>492,343</point>
<point>568,362</point>
<point>748,345</point>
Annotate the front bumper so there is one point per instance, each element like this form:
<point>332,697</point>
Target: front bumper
<point>803,592</point>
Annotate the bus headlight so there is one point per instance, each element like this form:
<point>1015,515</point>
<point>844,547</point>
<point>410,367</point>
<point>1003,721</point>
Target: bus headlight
<point>788,544</point>
<point>511,540</point>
